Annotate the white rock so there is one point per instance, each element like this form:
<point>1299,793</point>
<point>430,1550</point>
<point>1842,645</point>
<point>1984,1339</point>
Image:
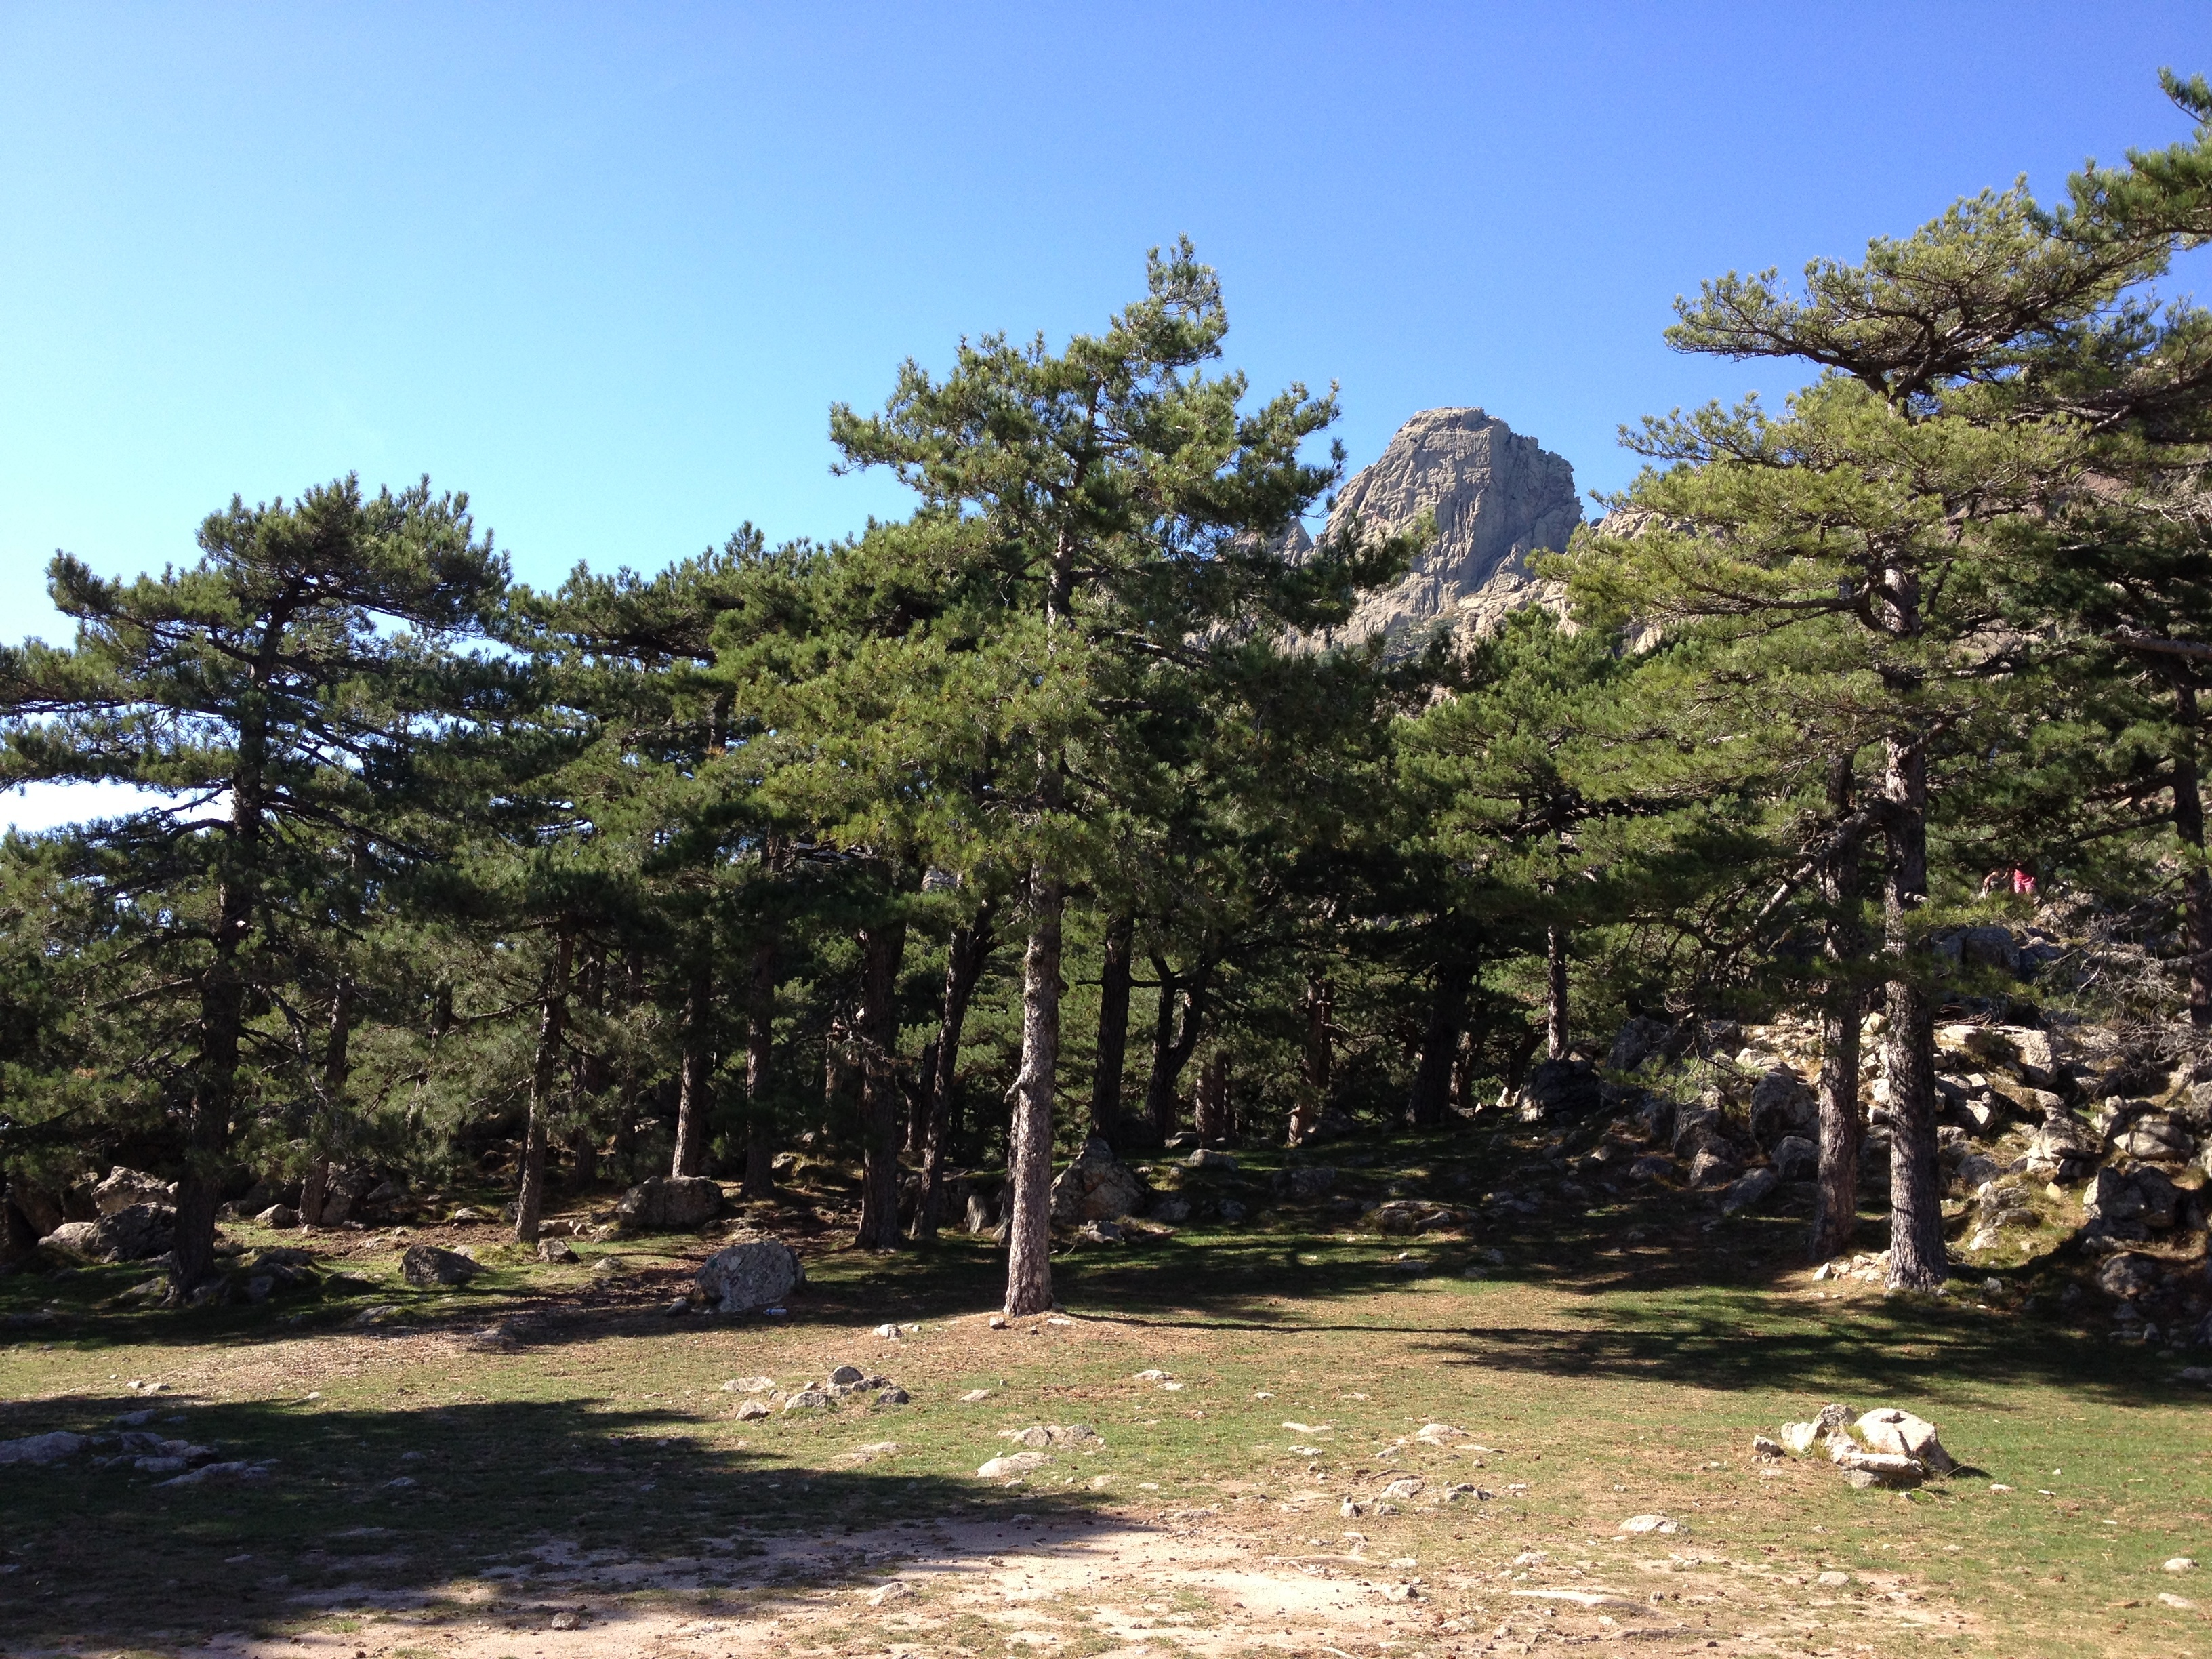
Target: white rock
<point>1899,1432</point>
<point>1013,1463</point>
<point>1435,1434</point>
<point>750,1385</point>
<point>1640,1523</point>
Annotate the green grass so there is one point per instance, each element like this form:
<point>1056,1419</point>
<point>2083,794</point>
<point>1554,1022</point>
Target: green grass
<point>1617,1379</point>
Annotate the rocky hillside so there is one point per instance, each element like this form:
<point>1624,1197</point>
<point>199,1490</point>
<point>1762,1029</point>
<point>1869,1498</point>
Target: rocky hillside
<point>1496,495</point>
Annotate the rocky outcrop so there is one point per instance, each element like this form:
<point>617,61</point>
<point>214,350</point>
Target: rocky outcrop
<point>1097,1187</point>
<point>1497,497</point>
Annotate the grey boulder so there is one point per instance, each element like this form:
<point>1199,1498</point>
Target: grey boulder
<point>1796,1158</point>
<point>42,1448</point>
<point>1097,1187</point>
<point>670,1204</point>
<point>427,1266</point>
<point>746,1278</point>
<point>1749,1191</point>
<point>120,1189</point>
<point>138,1232</point>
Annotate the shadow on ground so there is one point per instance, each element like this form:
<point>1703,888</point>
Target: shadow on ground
<point>386,1508</point>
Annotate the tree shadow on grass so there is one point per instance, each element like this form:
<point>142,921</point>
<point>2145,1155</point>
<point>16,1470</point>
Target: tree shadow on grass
<point>481,1509</point>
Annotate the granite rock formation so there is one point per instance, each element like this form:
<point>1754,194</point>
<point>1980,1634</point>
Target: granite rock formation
<point>1497,497</point>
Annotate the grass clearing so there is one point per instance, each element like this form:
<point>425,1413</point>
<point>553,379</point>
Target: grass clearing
<point>433,1496</point>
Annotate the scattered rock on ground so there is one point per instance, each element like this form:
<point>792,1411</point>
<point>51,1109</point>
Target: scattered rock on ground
<point>1889,1429</point>
<point>39,1448</point>
<point>1053,1434</point>
<point>1643,1523</point>
<point>556,1250</point>
<point>1013,1463</point>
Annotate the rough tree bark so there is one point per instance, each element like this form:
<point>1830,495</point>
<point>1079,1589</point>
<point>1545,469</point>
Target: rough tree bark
<point>1555,992</point>
<point>222,1000</point>
<point>1112,1027</point>
<point>695,1097</point>
<point>592,1074</point>
<point>965,956</point>
<point>1029,1253</point>
<point>760,1041</point>
<point>1835,1201</point>
<point>881,949</point>
<point>552,1025</point>
<point>1212,1118</point>
<point>1917,1257</point>
<point>1431,1095</point>
<point>625,1147</point>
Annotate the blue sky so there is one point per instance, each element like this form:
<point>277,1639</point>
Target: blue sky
<point>606,267</point>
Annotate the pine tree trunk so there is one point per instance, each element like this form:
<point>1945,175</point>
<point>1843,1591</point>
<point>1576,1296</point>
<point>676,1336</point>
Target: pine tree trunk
<point>1112,1027</point>
<point>1462,1083</point>
<point>760,1043</point>
<point>881,949</point>
<point>1175,1027</point>
<point>1029,1159</point>
<point>1917,1261</point>
<point>1318,1065</point>
<point>695,1095</point>
<point>1213,1120</point>
<point>1835,1202</point>
<point>1431,1095</point>
<point>965,958</point>
<point>625,1146</point>
<point>584,1148</point>
<point>2197,879</point>
<point>222,1008</point>
<point>552,1023</point>
<point>1555,992</point>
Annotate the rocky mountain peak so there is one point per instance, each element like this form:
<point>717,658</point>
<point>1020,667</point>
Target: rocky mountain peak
<point>1497,496</point>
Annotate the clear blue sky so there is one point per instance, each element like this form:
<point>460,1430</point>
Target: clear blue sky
<point>605,267</point>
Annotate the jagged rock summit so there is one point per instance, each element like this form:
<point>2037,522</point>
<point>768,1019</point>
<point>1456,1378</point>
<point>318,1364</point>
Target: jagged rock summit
<point>1497,496</point>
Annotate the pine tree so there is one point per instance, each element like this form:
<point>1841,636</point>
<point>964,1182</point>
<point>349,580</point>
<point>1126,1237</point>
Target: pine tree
<point>267,687</point>
<point>1127,507</point>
